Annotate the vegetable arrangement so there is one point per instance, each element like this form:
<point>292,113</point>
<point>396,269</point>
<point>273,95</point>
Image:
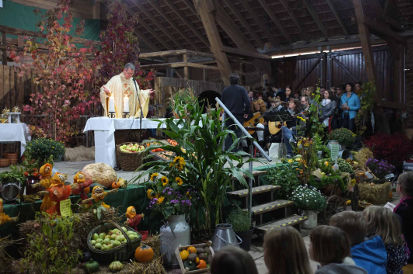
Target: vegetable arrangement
<point>112,239</point>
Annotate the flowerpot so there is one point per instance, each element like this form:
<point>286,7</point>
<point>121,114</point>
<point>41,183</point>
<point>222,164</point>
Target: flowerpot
<point>224,235</point>
<point>311,222</point>
<point>31,180</point>
<point>176,232</point>
<point>246,239</point>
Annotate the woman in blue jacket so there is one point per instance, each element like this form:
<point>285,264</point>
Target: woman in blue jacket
<point>350,104</point>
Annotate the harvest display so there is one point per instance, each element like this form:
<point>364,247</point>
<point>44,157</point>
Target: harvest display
<point>132,148</point>
<point>112,239</point>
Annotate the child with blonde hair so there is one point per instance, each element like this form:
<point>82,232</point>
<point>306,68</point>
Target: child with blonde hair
<point>381,221</point>
<point>285,252</point>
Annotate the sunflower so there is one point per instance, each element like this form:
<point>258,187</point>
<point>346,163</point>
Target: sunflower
<point>164,180</point>
<point>149,194</point>
<point>153,176</point>
<point>160,199</point>
<point>179,181</point>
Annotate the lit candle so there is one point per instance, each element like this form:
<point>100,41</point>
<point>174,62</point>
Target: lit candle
<point>111,104</point>
<point>126,104</point>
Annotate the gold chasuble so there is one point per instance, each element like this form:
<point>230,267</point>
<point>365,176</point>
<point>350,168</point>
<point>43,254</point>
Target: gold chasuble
<point>123,91</point>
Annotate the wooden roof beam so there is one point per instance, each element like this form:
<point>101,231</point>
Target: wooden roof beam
<point>315,17</point>
<point>246,53</point>
<point>180,65</point>
<point>174,52</point>
<point>142,10</point>
<point>383,30</point>
<point>275,20</point>
<point>187,23</point>
<point>380,14</point>
<point>291,14</point>
<point>243,22</point>
<point>333,9</point>
<point>156,7</point>
<point>148,43</point>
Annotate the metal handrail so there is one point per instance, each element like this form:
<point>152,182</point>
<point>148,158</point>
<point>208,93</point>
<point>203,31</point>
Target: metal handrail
<point>246,133</point>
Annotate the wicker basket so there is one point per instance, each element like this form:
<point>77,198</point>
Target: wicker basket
<point>181,263</point>
<point>129,161</point>
<point>122,252</point>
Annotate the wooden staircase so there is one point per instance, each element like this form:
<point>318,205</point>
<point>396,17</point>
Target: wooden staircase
<point>267,212</point>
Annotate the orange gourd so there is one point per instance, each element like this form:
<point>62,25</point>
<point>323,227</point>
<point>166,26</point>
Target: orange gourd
<point>191,249</point>
<point>184,254</point>
<point>202,264</point>
<point>115,185</point>
<point>144,254</point>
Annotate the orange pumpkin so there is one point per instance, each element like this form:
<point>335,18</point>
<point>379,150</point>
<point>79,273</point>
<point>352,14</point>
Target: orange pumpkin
<point>202,264</point>
<point>191,249</point>
<point>144,254</point>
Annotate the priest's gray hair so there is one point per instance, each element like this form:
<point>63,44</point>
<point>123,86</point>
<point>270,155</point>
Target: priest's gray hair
<point>129,66</point>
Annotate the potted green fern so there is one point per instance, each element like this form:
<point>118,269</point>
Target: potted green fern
<point>241,223</point>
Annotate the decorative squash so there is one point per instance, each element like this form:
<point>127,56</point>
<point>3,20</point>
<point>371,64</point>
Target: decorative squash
<point>184,254</point>
<point>144,254</point>
<point>115,185</point>
<point>202,264</point>
<point>115,266</point>
<point>191,249</point>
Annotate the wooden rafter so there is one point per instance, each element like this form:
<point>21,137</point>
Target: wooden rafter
<point>172,24</point>
<point>166,53</point>
<point>232,30</point>
<point>274,19</point>
<point>243,22</point>
<point>187,23</point>
<point>315,17</point>
<point>206,10</point>
<point>246,53</point>
<point>180,65</point>
<point>258,20</point>
<point>381,29</point>
<point>146,41</point>
<point>291,14</point>
<point>160,41</point>
<point>334,11</point>
<point>365,42</point>
<point>142,10</point>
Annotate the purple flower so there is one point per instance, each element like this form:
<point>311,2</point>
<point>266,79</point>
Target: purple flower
<point>174,202</point>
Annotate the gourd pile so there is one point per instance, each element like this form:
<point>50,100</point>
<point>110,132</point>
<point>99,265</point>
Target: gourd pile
<point>132,148</point>
<point>112,239</point>
<point>195,258</point>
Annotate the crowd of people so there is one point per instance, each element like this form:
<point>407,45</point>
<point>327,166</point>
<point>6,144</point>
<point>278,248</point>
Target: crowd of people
<point>375,240</point>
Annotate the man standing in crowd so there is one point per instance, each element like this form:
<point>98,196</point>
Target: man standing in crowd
<point>235,98</point>
<point>122,94</point>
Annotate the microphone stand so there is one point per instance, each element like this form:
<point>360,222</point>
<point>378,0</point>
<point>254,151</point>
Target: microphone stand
<point>140,107</point>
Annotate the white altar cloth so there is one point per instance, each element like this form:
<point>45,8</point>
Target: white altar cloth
<point>104,128</point>
<point>15,132</point>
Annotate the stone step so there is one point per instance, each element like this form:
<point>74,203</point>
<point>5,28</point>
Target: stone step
<point>263,208</point>
<point>255,190</point>
<point>291,220</point>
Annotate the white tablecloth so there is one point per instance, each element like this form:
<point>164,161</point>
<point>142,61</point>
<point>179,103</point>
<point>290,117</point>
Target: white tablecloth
<point>15,133</point>
<point>104,129</point>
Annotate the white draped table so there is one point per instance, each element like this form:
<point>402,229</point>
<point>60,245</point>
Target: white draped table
<point>12,132</point>
<point>104,129</point>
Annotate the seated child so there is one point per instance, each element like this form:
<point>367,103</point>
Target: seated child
<point>381,221</point>
<point>405,209</point>
<point>285,252</point>
<point>330,246</point>
<point>231,259</point>
<point>369,254</point>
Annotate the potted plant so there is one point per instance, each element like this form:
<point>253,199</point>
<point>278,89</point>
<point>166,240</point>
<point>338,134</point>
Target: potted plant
<point>311,201</point>
<point>241,223</point>
<point>343,136</point>
<point>44,150</point>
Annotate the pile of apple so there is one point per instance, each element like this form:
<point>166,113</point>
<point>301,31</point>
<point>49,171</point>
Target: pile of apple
<point>113,238</point>
<point>132,148</point>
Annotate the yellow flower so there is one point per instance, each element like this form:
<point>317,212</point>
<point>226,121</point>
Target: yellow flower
<point>164,180</point>
<point>149,194</point>
<point>153,176</point>
<point>353,182</point>
<point>348,202</point>
<point>179,181</point>
<point>290,161</point>
<point>301,118</point>
<point>326,163</point>
<point>160,199</point>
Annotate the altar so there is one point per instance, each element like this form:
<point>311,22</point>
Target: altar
<point>15,132</point>
<point>104,129</point>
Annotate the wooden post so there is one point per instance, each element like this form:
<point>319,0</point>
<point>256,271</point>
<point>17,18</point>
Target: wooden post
<point>186,70</point>
<point>205,9</point>
<point>365,41</point>
<point>329,69</point>
<point>4,46</point>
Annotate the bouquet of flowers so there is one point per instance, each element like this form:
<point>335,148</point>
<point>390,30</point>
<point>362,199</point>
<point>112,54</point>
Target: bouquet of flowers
<point>168,193</point>
<point>380,168</point>
<point>308,198</point>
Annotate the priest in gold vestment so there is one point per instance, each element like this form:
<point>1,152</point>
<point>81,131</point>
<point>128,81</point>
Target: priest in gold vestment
<point>125,95</point>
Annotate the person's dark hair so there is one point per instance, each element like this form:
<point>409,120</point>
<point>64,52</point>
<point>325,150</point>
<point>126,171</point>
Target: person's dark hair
<point>231,259</point>
<point>351,85</point>
<point>352,224</point>
<point>234,79</point>
<point>405,181</point>
<point>129,66</point>
<point>329,244</point>
<point>285,252</point>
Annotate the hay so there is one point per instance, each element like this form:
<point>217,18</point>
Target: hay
<point>80,153</point>
<point>5,259</point>
<point>362,156</point>
<point>153,267</point>
<point>375,193</point>
<point>155,243</point>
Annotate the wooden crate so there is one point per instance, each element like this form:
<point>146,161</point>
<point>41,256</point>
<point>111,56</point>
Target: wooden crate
<point>181,263</point>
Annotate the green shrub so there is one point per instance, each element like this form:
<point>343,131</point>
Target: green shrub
<point>240,220</point>
<point>44,150</point>
<point>284,175</point>
<point>343,136</point>
<point>308,198</point>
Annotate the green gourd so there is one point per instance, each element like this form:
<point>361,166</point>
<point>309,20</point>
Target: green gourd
<point>92,266</point>
<point>115,266</point>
